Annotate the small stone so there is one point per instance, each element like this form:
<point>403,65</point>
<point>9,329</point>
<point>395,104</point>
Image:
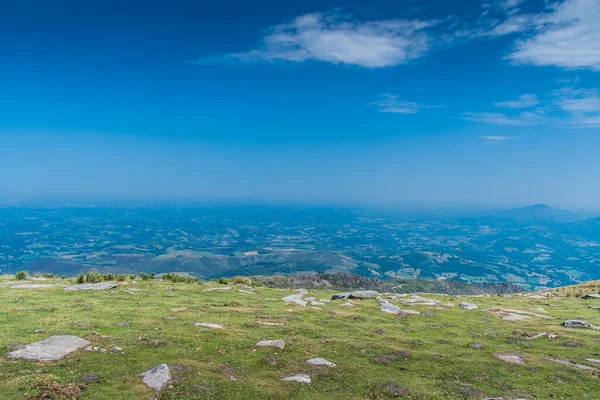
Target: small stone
<point>576,323</point>
<point>217,288</point>
<point>347,304</point>
<point>92,286</point>
<point>157,378</point>
<point>477,345</point>
<point>39,331</point>
<point>271,323</point>
<point>209,325</point>
<point>280,344</point>
<point>511,358</point>
<point>320,362</point>
<point>302,378</point>
<point>468,306</point>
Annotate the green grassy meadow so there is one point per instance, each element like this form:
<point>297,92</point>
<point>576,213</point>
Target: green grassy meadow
<point>378,355</point>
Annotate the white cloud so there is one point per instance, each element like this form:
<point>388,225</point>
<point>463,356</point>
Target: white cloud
<point>567,36</point>
<point>338,39</point>
<point>495,139</point>
<point>566,107</point>
<point>522,119</point>
<point>391,104</point>
<point>525,101</point>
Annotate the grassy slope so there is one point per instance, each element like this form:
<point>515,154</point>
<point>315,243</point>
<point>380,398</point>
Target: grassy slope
<point>344,335</point>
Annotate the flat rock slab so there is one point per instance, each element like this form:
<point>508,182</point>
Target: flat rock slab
<point>514,317</point>
<point>468,306</point>
<point>592,360</point>
<point>302,378</point>
<point>209,325</point>
<point>280,344</point>
<point>511,358</point>
<point>591,296</point>
<point>572,364</point>
<point>245,291</point>
<point>576,323</point>
<point>93,286</point>
<point>296,299</point>
<point>502,311</point>
<point>271,323</point>
<point>347,305</point>
<point>320,362</point>
<point>31,286</point>
<point>157,378</point>
<point>390,308</point>
<point>217,289</point>
<point>53,348</point>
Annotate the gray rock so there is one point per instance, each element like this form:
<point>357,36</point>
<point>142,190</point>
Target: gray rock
<point>361,294</point>
<point>302,378</point>
<point>390,308</point>
<point>296,299</point>
<point>280,344</point>
<point>217,289</point>
<point>468,306</point>
<point>93,286</point>
<point>90,378</point>
<point>591,296</point>
<point>53,348</point>
<point>320,362</point>
<point>571,364</point>
<point>511,358</point>
<point>157,378</point>
<point>575,323</point>
<point>209,325</point>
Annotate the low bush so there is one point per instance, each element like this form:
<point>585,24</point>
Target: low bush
<point>21,275</point>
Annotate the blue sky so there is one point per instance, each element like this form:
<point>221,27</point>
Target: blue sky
<point>472,103</point>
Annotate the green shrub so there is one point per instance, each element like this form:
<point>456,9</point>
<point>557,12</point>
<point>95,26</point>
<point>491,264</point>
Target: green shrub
<point>146,277</point>
<point>180,278</point>
<point>49,275</point>
<point>120,277</point>
<point>132,277</point>
<point>93,277</point>
<point>222,281</point>
<point>21,275</point>
<point>243,280</point>
<point>81,279</point>
<point>108,277</point>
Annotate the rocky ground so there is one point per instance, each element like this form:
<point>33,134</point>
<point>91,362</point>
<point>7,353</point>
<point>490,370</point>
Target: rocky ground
<point>158,339</point>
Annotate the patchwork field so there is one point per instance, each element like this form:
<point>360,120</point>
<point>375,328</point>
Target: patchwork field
<point>511,347</point>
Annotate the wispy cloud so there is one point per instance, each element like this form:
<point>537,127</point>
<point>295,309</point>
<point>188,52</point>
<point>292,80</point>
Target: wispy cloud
<point>524,101</point>
<point>391,104</point>
<point>495,139</point>
<point>340,39</point>
<point>566,107</point>
<point>522,119</point>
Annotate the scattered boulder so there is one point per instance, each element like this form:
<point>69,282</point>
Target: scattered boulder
<point>572,364</point>
<point>320,362</point>
<point>468,306</point>
<point>591,296</point>
<point>209,325</point>
<point>511,358</point>
<point>302,378</point>
<point>280,344</point>
<point>93,286</point>
<point>217,288</point>
<point>296,299</point>
<point>576,323</point>
<point>157,378</point>
<point>361,294</point>
<point>53,348</point>
<point>390,308</point>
